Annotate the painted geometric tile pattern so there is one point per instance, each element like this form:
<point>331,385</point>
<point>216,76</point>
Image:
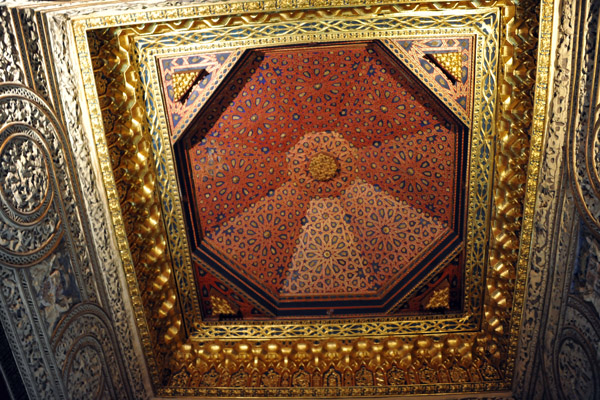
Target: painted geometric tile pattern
<point>389,199</point>
<point>429,60</point>
<point>210,70</point>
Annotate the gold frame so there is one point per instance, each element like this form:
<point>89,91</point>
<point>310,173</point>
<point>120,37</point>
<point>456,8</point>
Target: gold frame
<point>151,48</point>
<point>478,357</point>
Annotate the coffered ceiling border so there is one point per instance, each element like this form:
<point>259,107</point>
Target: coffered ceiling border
<point>481,24</point>
<point>423,364</point>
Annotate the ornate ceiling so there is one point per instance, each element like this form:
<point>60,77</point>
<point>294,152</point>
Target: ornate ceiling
<point>319,189</point>
<point>330,182</point>
<point>310,198</point>
<point>323,181</point>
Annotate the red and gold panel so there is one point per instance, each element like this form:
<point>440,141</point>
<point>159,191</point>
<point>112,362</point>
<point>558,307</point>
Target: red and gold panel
<point>325,180</point>
<point>188,81</point>
<point>445,65</point>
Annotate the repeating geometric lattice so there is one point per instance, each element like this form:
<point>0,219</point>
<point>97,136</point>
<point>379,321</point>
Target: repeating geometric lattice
<point>322,174</point>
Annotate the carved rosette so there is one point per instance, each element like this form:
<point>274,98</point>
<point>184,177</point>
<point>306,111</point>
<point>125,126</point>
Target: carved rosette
<point>576,362</point>
<point>29,222</point>
<point>84,345</point>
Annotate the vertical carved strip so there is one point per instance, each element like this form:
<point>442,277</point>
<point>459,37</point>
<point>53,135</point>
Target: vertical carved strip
<point>24,343</point>
<point>103,244</point>
<point>11,66</point>
<point>548,201</point>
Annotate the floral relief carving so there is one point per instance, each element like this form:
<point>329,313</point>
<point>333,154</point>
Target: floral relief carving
<point>85,376</point>
<point>30,224</point>
<point>576,371</point>
<point>576,361</point>
<point>21,333</point>
<point>11,69</point>
<point>586,280</point>
<point>23,174</point>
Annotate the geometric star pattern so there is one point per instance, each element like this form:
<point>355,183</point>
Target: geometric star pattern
<point>361,236</point>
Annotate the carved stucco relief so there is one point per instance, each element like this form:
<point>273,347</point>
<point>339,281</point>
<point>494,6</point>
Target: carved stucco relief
<point>85,346</point>
<point>47,263</point>
<point>11,69</point>
<point>42,277</point>
<point>559,354</point>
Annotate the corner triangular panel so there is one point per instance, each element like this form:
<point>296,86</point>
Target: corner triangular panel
<point>444,65</point>
<point>183,82</point>
<point>188,81</point>
<point>451,63</point>
<point>221,301</point>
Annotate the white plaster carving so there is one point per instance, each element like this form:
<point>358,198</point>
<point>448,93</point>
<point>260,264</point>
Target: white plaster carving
<point>11,69</point>
<point>555,346</point>
<point>23,174</point>
<point>20,332</point>
<point>29,224</point>
<point>582,141</point>
<point>85,346</point>
<point>552,212</point>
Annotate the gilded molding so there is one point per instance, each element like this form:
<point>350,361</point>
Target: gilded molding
<point>386,364</point>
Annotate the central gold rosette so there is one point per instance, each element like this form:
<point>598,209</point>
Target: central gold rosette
<point>322,163</point>
<point>323,167</point>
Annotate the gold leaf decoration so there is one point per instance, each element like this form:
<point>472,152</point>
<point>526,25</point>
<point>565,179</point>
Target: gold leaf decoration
<point>451,62</point>
<point>323,167</point>
<point>182,82</point>
<point>439,299</point>
<point>220,306</point>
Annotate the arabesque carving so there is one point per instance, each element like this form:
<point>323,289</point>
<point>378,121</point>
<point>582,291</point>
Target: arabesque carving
<point>85,347</point>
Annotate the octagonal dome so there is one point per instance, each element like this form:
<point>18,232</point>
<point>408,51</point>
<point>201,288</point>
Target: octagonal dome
<point>323,180</point>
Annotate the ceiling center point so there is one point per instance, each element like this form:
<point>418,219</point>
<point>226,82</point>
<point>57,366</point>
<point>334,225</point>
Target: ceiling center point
<point>323,167</point>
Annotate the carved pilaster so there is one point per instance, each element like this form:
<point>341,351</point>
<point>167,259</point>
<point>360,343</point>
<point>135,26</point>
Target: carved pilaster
<point>57,258</point>
<point>558,357</point>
